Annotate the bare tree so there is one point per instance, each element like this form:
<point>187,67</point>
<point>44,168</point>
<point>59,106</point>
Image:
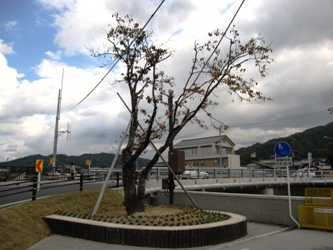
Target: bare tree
<point>132,46</point>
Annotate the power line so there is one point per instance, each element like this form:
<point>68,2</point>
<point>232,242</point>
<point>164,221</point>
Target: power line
<point>116,62</point>
<point>203,134</point>
<point>218,44</point>
<point>280,119</point>
<point>114,65</point>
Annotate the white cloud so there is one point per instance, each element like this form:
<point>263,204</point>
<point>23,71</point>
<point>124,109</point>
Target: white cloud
<point>54,56</point>
<point>81,26</point>
<point>6,49</point>
<point>60,5</point>
<point>29,108</point>
<point>10,25</point>
<point>9,76</point>
<point>299,81</point>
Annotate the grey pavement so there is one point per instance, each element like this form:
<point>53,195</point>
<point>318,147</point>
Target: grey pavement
<point>259,237</point>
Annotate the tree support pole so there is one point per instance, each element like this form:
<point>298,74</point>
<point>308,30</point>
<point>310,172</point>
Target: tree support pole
<point>171,182</point>
<point>165,162</point>
<point>111,168</point>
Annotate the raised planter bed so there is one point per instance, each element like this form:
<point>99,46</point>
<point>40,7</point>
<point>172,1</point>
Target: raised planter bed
<point>150,236</point>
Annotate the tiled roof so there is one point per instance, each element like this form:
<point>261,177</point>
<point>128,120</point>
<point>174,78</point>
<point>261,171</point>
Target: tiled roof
<point>200,141</point>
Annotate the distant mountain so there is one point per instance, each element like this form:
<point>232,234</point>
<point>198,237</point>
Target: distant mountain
<point>311,140</point>
<point>102,160</point>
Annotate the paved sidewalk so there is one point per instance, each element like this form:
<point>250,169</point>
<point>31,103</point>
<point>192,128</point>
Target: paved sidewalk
<point>259,237</point>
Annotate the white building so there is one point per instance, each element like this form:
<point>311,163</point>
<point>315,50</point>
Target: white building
<point>215,151</point>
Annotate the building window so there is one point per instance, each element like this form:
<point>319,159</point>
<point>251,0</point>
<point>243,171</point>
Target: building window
<point>217,163</point>
<point>229,150</point>
<point>205,150</point>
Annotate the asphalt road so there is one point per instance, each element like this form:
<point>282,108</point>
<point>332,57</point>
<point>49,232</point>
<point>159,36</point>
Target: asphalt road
<point>13,194</point>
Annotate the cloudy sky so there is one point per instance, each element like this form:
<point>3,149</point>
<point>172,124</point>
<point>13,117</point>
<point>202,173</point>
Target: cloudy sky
<point>39,39</point>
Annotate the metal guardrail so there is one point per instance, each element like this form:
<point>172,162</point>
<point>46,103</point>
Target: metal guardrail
<point>160,173</point>
<point>9,188</point>
<point>22,178</point>
<point>28,173</point>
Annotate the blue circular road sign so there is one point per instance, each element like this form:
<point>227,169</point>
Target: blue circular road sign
<point>282,149</point>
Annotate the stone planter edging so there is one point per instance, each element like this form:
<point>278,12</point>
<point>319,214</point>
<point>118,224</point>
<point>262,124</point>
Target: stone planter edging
<point>150,236</point>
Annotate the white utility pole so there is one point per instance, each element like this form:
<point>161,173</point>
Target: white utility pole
<point>56,126</point>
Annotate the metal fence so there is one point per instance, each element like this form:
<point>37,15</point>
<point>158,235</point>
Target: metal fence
<point>196,173</point>
<point>11,188</point>
<point>22,179</point>
<point>27,173</point>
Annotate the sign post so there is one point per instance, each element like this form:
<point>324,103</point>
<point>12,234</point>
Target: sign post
<point>309,160</point>
<point>88,162</point>
<point>39,169</point>
<point>283,149</point>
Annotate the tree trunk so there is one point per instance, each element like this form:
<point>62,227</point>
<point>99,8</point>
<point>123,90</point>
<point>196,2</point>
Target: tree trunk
<point>130,197</point>
<point>142,190</point>
<point>131,201</point>
<point>134,199</point>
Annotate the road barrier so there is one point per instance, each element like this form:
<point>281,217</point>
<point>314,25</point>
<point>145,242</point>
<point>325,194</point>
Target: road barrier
<point>10,188</point>
<point>318,209</point>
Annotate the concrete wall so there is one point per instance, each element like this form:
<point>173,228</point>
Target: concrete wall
<point>233,161</point>
<point>267,209</point>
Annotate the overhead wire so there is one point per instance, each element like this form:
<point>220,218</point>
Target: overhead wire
<point>204,134</point>
<point>277,120</point>
<point>219,42</point>
<point>217,45</point>
<point>116,62</point>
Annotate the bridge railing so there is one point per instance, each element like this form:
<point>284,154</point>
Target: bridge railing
<point>26,173</point>
<point>161,173</point>
<point>158,173</point>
